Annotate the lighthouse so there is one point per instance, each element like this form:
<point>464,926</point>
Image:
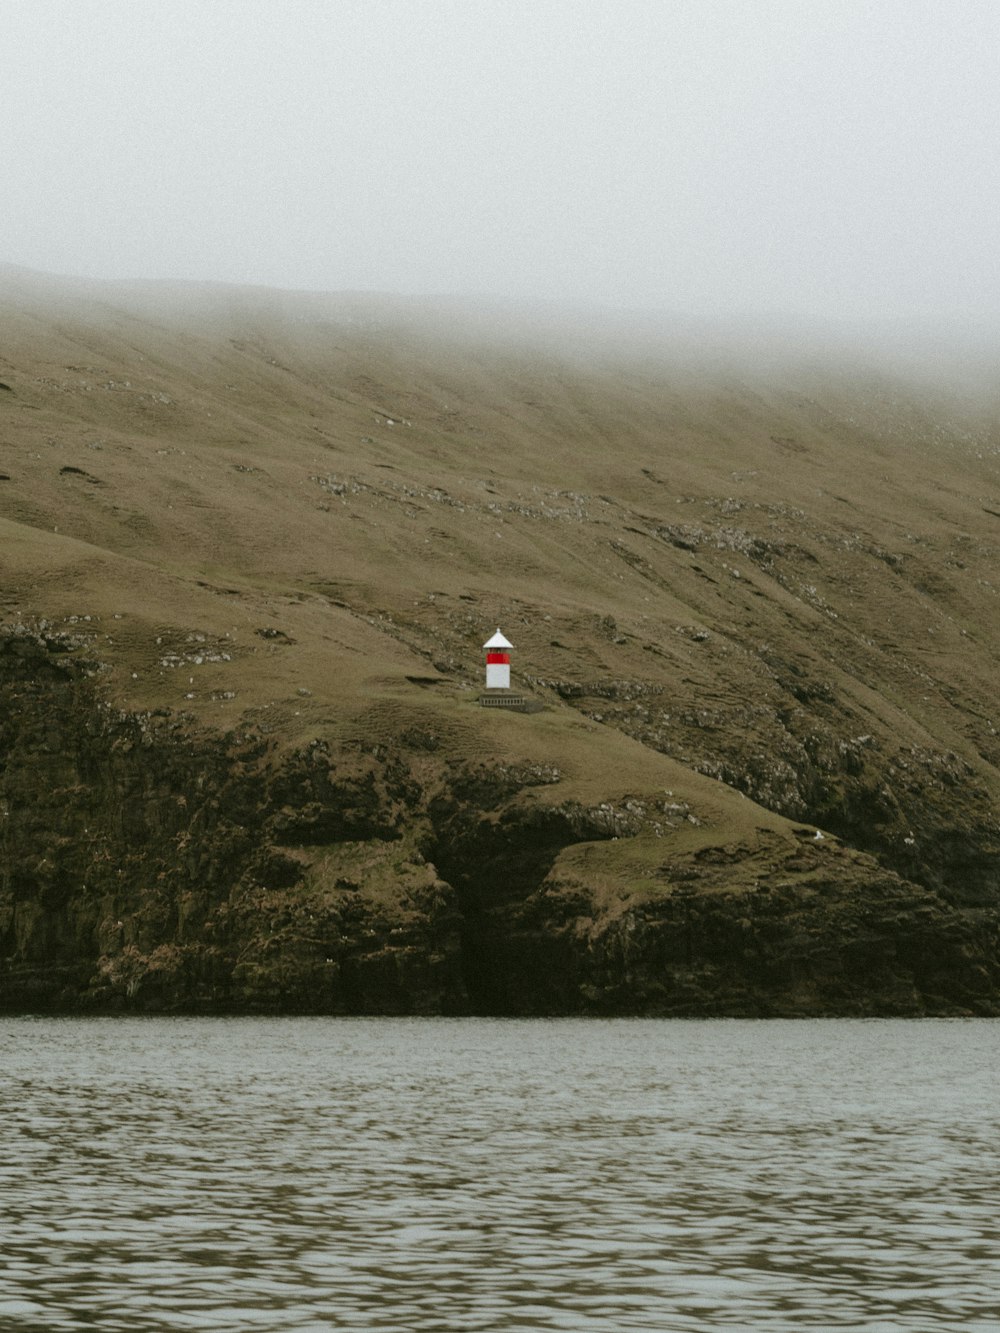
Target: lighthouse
<point>498,692</point>
<point>497,662</point>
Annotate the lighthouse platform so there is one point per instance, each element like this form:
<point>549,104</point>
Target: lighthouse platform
<point>517,703</point>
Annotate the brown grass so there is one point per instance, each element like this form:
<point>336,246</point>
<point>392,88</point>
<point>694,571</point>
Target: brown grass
<point>377,492</point>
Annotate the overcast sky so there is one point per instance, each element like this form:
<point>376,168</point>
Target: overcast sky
<point>817,157</point>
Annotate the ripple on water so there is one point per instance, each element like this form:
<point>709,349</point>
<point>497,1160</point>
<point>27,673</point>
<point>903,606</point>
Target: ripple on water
<point>469,1174</point>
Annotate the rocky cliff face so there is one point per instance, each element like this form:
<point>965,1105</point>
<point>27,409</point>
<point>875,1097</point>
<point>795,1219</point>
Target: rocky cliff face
<point>151,867</point>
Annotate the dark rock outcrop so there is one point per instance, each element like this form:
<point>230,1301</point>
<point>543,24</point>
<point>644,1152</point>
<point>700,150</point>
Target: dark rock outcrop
<point>145,866</point>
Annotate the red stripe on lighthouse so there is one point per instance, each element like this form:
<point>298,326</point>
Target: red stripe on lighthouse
<point>496,659</point>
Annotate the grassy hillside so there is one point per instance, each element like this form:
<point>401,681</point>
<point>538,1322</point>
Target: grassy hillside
<point>757,594</point>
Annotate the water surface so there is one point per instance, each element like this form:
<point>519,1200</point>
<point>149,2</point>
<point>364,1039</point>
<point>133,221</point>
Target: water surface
<point>471,1174</point>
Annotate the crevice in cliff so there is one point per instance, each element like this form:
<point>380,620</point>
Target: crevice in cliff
<point>513,960</point>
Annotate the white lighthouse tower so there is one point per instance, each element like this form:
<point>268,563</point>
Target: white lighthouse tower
<point>498,662</point>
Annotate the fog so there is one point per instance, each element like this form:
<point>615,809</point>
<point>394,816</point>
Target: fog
<point>746,159</point>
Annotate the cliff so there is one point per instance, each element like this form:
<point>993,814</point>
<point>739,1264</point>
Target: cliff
<point>251,544</point>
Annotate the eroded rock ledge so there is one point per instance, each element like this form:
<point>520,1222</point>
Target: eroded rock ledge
<point>148,868</point>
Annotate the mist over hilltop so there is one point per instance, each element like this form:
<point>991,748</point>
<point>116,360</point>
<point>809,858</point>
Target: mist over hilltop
<point>785,161</point>
<point>939,354</point>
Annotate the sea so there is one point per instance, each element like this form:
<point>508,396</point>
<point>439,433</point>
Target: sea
<point>235,1174</point>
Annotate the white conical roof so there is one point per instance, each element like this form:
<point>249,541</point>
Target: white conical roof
<point>498,641</point>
